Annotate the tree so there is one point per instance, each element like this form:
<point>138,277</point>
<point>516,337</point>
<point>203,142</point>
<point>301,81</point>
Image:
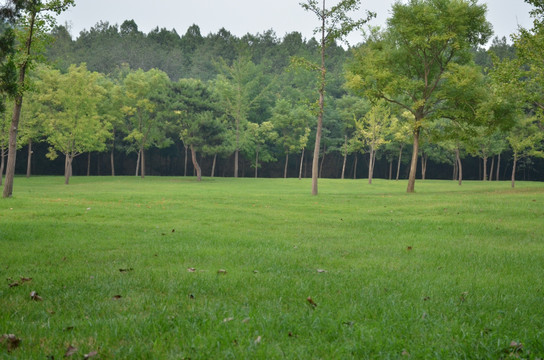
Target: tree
<point>144,91</point>
<point>526,139</point>
<point>36,22</point>
<point>258,145</point>
<point>70,113</point>
<point>407,65</point>
<point>334,24</point>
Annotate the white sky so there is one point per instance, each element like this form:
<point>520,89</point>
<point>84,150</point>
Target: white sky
<point>252,16</point>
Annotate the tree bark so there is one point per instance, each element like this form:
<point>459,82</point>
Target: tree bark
<point>301,163</point>
<point>142,158</point>
<point>213,165</point>
<point>398,164</point>
<point>112,161</point>
<point>195,164</point>
<point>413,165</point>
<point>68,169</point>
<point>371,165</point>
<point>459,166</point>
<point>498,167</point>
<point>12,147</point>
<point>138,163</point>
<point>390,169</point>
<point>28,159</point>
<point>492,168</point>
<point>355,166</point>
<point>256,161</point>
<point>322,161</point>
<point>514,170</point>
<point>185,164</point>
<point>2,164</point>
<point>286,165</point>
<point>89,163</point>
<point>345,156</point>
<point>424,159</point>
<point>485,168</point>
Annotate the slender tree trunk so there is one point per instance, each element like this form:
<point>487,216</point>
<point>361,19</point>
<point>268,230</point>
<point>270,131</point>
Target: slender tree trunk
<point>424,159</point>
<point>485,168</point>
<point>498,167</point>
<point>492,168</point>
<point>390,169</point>
<point>2,164</point>
<point>138,162</point>
<point>68,169</point>
<point>371,165</point>
<point>89,163</point>
<point>345,156</point>
<point>301,163</point>
<point>195,164</point>
<point>142,158</point>
<point>185,164</point>
<point>514,169</point>
<point>317,147</point>
<point>12,146</point>
<point>213,164</point>
<point>256,162</point>
<point>398,164</point>
<point>28,159</point>
<point>413,164</point>
<point>112,161</point>
<point>355,165</point>
<point>459,166</point>
<point>455,169</point>
<point>286,164</point>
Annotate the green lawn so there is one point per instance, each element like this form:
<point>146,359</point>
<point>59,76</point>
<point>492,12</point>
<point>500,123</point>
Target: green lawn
<point>130,268</point>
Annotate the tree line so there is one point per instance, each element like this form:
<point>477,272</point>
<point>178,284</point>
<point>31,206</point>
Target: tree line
<point>221,105</point>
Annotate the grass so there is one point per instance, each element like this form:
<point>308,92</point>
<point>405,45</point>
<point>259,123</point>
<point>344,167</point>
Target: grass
<point>448,272</point>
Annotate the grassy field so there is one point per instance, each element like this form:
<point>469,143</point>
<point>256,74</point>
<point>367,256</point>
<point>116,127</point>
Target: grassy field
<point>168,268</point>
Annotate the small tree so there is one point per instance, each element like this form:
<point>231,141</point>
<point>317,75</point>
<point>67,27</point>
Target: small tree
<point>258,145</point>
<point>526,139</point>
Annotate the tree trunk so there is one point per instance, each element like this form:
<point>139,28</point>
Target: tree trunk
<point>286,163</point>
<point>301,163</point>
<point>400,158</point>
<point>390,169</point>
<point>68,169</point>
<point>317,147</point>
<point>371,165</point>
<point>213,165</point>
<point>413,164</point>
<point>28,159</point>
<point>345,156</point>
<point>498,167</point>
<point>514,170</point>
<point>256,162</point>
<point>2,164</point>
<point>322,161</point>
<point>12,147</point>
<point>89,164</point>
<point>492,168</point>
<point>455,169</point>
<point>195,164</point>
<point>459,166</point>
<point>142,158</point>
<point>424,159</point>
<point>485,168</point>
<point>185,164</point>
<point>138,163</point>
<point>355,165</point>
<point>112,161</point>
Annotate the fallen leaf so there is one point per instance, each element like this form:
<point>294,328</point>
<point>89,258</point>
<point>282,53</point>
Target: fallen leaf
<point>320,271</point>
<point>246,320</point>
<point>222,271</point>
<point>426,298</point>
<point>12,341</point>
<point>34,296</point>
<point>191,296</point>
<point>290,334</point>
<point>348,323</point>
<point>173,230</point>
<point>409,248</point>
<point>69,328</point>
<point>191,269</point>
<point>70,351</point>
<point>117,297</point>
<point>90,355</point>
<point>13,284</point>
<point>255,271</point>
<point>126,270</point>
<point>311,301</point>
<point>23,280</point>
<point>405,353</point>
<point>258,340</point>
<point>463,296</point>
<point>229,319</point>
<point>516,346</point>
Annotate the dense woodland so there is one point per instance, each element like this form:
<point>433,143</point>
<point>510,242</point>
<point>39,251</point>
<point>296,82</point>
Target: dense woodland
<point>115,100</point>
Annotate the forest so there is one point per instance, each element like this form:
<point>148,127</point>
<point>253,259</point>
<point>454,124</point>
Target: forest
<point>113,100</point>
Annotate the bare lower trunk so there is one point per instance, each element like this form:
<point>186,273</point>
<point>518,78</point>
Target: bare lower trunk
<point>355,166</point>
<point>390,169</point>
<point>286,164</point>
<point>424,159</point>
<point>455,169</point>
<point>492,168</point>
<point>322,161</point>
<point>89,164</point>
<point>485,168</point>
<point>185,166</point>
<point>301,163</point>
<point>345,156</point>
<point>400,158</point>
<point>256,162</point>
<point>195,164</point>
<point>459,166</point>
<point>112,161</point>
<point>413,164</point>
<point>68,169</point>
<point>2,164</point>
<point>371,166</point>
<point>213,165</point>
<point>138,164</point>
<point>498,167</point>
<point>514,170</point>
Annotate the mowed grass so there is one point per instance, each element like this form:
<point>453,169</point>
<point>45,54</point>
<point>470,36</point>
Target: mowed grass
<point>130,268</point>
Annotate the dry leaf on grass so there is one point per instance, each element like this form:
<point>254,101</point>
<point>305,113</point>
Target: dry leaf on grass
<point>258,340</point>
<point>70,351</point>
<point>311,302</point>
<point>90,355</point>
<point>12,342</point>
<point>222,271</point>
<point>117,297</point>
<point>34,296</point>
<point>191,269</point>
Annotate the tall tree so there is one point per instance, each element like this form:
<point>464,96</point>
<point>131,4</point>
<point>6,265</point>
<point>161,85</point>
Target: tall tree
<point>36,22</point>
<point>407,65</point>
<point>334,25</point>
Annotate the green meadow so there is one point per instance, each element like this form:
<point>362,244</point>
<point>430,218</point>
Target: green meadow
<point>169,268</point>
